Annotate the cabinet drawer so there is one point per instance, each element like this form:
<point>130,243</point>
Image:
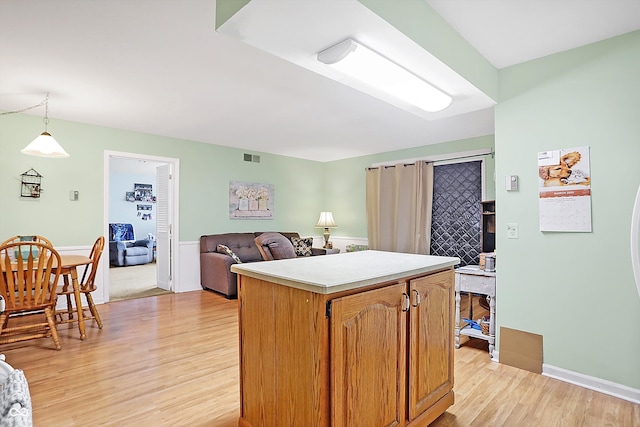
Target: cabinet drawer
<point>474,283</point>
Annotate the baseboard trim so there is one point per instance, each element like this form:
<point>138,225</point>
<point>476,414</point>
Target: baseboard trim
<point>592,383</point>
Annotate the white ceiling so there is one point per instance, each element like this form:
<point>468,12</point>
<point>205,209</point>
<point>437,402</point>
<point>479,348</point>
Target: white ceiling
<point>508,32</point>
<point>159,67</point>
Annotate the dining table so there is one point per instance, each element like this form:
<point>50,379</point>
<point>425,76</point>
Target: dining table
<point>70,264</point>
<point>69,268</point>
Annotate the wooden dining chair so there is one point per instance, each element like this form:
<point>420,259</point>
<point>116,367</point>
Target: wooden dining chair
<point>87,285</point>
<point>32,238</point>
<point>28,280</point>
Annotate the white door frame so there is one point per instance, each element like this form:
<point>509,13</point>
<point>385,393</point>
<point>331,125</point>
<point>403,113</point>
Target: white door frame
<point>174,213</point>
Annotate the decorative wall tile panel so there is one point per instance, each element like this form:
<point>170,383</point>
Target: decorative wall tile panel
<point>455,228</point>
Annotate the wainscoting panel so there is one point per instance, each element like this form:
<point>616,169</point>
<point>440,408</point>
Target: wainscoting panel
<point>189,269</point>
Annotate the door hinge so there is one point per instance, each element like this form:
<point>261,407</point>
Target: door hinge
<point>327,312</point>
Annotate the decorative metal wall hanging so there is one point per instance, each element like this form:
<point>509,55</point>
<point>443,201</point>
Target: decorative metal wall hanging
<point>31,184</point>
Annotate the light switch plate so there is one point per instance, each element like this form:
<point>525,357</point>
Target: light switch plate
<point>74,195</point>
<point>511,182</point>
<point>512,230</point>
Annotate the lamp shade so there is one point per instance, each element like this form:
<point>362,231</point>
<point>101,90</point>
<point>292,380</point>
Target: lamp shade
<point>361,63</point>
<point>326,220</point>
<point>45,146</point>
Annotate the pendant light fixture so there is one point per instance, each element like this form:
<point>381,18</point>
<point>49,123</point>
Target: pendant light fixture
<point>45,145</point>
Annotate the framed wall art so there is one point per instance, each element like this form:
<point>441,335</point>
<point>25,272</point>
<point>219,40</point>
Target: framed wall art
<point>143,193</point>
<point>250,200</point>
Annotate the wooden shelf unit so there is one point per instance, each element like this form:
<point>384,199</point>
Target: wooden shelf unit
<point>488,226</point>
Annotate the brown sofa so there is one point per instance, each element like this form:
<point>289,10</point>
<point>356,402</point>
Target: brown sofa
<point>215,267</point>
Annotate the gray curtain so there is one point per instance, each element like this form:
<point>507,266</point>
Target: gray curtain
<point>399,205</point>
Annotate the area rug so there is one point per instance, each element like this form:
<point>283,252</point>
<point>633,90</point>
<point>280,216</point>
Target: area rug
<point>136,281</point>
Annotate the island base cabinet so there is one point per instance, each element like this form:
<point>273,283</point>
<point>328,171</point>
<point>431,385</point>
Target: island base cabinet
<point>284,356</point>
<point>389,344</point>
<point>368,358</point>
<point>431,345</point>
<point>375,357</point>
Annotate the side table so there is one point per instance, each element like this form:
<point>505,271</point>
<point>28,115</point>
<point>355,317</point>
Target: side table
<point>476,281</point>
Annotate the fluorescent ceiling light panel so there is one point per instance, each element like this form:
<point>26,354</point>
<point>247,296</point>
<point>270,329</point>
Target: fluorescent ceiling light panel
<point>358,61</point>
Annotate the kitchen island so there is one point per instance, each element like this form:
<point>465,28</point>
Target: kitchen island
<point>361,338</point>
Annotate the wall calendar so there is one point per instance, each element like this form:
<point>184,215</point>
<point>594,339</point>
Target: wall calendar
<point>565,190</point>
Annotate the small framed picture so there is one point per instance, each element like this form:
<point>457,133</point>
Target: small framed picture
<point>143,192</point>
<point>130,196</point>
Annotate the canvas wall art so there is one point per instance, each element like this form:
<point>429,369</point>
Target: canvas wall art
<point>250,200</point>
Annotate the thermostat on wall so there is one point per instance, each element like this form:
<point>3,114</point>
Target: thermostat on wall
<point>511,182</point>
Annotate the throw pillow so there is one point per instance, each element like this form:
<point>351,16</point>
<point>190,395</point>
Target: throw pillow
<point>302,245</point>
<point>275,246</point>
<point>223,249</point>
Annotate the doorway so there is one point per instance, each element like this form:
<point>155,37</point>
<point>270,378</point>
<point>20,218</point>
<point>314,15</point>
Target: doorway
<point>141,191</point>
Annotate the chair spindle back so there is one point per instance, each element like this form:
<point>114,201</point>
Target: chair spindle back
<point>29,276</point>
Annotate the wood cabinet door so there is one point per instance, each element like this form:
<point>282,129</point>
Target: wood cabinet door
<point>430,340</point>
<point>368,358</point>
<point>257,352</point>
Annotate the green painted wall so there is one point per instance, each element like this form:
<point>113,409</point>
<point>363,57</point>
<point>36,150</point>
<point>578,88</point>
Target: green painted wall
<point>225,9</point>
<point>575,289</point>
<point>205,172</point>
<point>345,181</point>
<point>302,188</point>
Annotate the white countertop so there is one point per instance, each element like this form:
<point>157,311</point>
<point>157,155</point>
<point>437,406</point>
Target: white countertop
<point>475,270</point>
<point>327,274</point>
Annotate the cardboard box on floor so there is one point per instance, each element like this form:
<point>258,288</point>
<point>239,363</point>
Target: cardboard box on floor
<point>521,349</point>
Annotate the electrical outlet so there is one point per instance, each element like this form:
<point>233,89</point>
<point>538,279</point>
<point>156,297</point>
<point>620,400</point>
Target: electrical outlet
<point>512,230</point>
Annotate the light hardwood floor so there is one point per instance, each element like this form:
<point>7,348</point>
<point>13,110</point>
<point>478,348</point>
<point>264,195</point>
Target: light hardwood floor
<point>172,360</point>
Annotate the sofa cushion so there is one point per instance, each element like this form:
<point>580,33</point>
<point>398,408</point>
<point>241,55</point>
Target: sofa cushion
<point>223,249</point>
<point>274,246</point>
<point>136,251</point>
<point>302,245</point>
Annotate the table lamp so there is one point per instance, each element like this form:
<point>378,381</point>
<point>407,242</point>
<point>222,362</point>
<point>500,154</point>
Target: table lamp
<point>326,221</point>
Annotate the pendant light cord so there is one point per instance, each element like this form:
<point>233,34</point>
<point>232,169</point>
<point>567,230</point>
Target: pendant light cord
<point>46,114</point>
